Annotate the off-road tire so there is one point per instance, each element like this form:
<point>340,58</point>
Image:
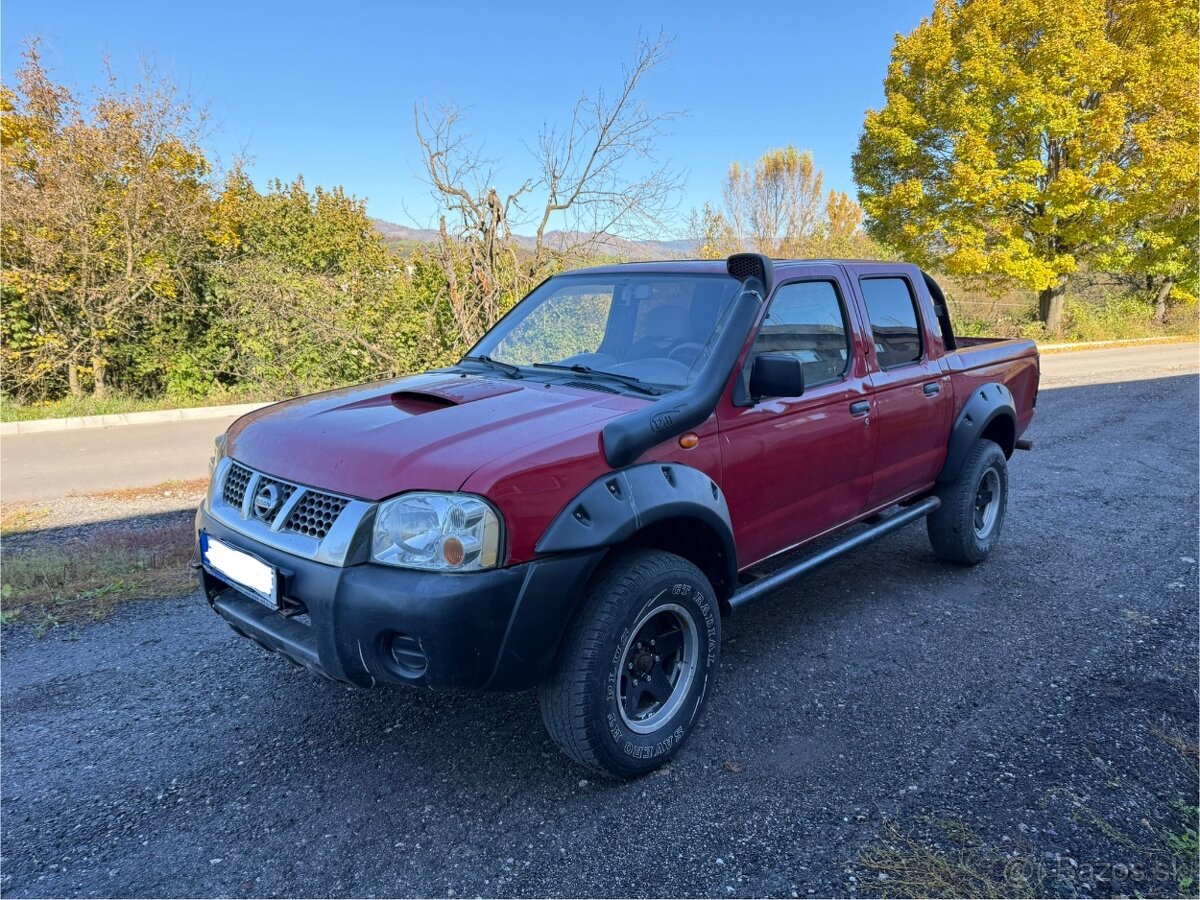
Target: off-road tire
<point>954,528</point>
<point>582,700</point>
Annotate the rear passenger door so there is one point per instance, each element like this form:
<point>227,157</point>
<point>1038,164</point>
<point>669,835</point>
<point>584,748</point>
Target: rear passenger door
<point>793,467</point>
<point>913,401</point>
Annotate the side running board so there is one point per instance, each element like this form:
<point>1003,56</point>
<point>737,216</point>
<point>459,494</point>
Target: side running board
<point>756,589</point>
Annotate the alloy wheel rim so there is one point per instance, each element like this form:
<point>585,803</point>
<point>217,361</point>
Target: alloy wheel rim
<point>657,667</point>
<point>987,503</point>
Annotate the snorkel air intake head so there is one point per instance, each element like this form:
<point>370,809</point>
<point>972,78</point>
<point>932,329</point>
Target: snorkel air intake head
<point>750,267</point>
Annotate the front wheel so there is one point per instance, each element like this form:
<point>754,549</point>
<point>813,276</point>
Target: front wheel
<point>967,525</point>
<point>632,675</point>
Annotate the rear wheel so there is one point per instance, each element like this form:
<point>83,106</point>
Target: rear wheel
<point>632,675</point>
<point>968,524</point>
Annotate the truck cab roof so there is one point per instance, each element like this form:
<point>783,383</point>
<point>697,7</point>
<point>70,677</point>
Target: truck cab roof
<point>784,267</point>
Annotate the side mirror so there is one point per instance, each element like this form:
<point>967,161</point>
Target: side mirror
<point>776,375</point>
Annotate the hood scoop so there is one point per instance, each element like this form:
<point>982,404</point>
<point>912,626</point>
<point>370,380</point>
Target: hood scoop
<point>449,392</point>
<point>428,396</point>
<point>416,402</point>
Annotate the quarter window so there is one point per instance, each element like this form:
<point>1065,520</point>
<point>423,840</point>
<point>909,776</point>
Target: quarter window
<point>894,324</point>
<point>806,321</point>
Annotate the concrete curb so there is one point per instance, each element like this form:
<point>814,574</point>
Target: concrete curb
<point>149,417</point>
<point>1124,342</point>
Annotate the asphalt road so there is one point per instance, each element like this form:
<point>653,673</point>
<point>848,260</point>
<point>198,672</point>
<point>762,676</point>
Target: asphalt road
<point>1036,701</point>
<point>48,464</point>
<point>44,465</point>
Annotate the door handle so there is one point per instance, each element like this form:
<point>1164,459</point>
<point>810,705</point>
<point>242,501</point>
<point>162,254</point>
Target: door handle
<point>861,408</point>
<point>932,389</point>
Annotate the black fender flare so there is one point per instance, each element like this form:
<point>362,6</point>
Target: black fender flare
<point>616,506</point>
<point>987,403</point>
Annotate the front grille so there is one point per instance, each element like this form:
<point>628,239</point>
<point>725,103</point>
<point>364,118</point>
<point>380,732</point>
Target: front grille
<point>315,514</point>
<point>285,493</point>
<point>233,491</point>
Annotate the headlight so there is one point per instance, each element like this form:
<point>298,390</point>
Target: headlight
<point>439,532</point>
<point>218,454</point>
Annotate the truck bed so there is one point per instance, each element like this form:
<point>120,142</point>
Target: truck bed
<point>1011,361</point>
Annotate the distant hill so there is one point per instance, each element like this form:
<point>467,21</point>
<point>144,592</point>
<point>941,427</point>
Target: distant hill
<point>401,237</point>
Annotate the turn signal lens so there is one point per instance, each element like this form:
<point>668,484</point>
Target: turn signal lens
<point>453,552</point>
<point>689,440</point>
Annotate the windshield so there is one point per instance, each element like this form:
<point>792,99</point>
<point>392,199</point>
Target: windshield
<point>655,328</point>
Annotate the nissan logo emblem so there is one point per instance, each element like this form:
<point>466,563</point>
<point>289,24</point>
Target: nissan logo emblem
<point>266,501</point>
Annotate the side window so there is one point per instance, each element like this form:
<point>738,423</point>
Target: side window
<point>894,324</point>
<point>806,320</point>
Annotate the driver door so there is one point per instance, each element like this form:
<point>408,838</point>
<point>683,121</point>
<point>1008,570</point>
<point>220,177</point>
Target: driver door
<point>795,467</point>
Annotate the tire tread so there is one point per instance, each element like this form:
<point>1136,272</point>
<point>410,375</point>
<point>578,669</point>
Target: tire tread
<point>951,528</point>
<point>564,696</point>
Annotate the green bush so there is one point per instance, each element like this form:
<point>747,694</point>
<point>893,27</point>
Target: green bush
<point>1115,318</point>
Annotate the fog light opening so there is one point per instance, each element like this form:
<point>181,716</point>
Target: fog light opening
<point>407,654</point>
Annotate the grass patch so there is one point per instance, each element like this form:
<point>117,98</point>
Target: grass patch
<point>1185,850</point>
<point>1165,839</point>
<point>70,407</point>
<point>1113,318</point>
<point>1183,839</point>
<point>20,518</point>
<point>1186,748</point>
<point>960,865</point>
<point>83,580</point>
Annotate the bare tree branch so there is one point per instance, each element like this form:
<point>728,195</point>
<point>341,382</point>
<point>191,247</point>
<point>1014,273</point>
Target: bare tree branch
<point>598,175</point>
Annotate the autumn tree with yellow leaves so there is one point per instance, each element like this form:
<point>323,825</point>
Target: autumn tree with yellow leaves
<point>106,219</point>
<point>779,206</point>
<point>129,266</point>
<point>1023,139</point>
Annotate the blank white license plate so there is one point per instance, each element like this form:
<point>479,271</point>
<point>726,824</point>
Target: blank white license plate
<point>247,573</point>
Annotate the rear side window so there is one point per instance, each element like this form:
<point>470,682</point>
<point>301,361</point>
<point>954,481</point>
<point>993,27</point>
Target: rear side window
<point>806,321</point>
<point>892,310</point>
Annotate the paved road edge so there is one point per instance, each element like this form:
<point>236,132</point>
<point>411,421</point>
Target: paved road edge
<point>132,418</point>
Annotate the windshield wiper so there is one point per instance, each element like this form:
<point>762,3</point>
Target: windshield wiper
<point>627,380</point>
<point>507,368</point>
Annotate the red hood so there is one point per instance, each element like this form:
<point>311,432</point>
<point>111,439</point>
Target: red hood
<point>425,432</point>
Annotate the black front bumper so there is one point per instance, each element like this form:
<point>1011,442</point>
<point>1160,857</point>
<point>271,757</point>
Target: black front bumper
<point>369,624</point>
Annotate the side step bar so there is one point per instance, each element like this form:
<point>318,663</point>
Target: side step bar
<point>756,589</point>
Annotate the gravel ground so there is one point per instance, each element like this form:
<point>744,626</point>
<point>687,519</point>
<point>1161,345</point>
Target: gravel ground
<point>49,522</point>
<point>1040,701</point>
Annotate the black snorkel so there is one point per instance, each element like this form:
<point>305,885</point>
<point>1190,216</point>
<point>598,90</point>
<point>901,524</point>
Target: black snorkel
<point>627,438</point>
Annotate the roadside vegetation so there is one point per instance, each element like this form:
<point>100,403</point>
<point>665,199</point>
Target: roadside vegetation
<point>78,557</point>
<point>953,862</point>
<point>1137,836</point>
<point>118,402</point>
<point>45,586</point>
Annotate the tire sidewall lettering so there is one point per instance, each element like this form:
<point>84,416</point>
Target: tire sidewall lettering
<point>650,746</point>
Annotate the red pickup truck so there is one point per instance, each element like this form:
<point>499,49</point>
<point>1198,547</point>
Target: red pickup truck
<point>622,460</point>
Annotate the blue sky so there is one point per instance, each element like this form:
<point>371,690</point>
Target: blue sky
<point>327,90</point>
